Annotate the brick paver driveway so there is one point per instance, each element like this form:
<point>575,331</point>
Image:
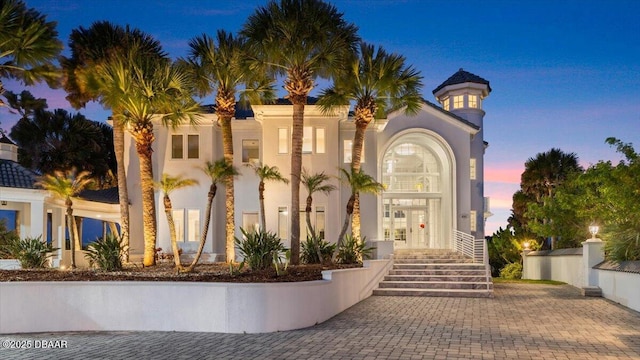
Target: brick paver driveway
<point>523,321</point>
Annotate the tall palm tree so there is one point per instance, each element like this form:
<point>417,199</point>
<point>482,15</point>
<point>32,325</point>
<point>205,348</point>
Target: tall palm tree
<point>67,185</point>
<point>301,40</point>
<point>315,183</point>
<point>220,68</point>
<point>148,89</point>
<point>168,184</point>
<point>217,172</point>
<point>359,182</point>
<point>28,45</point>
<point>266,173</point>
<point>377,82</point>
<point>544,173</point>
<point>89,48</point>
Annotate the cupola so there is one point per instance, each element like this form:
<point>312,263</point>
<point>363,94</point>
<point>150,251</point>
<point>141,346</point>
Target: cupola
<point>462,91</point>
<point>8,150</point>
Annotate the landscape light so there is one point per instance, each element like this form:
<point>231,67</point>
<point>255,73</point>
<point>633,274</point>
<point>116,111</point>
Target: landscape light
<point>593,229</point>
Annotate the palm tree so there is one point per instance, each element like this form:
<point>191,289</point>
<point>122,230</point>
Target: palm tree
<point>217,172</point>
<point>89,48</point>
<point>359,182</point>
<point>66,185</point>
<point>148,89</point>
<point>28,45</point>
<point>315,183</point>
<point>378,82</point>
<point>544,173</point>
<point>301,40</point>
<point>266,173</point>
<point>220,69</point>
<point>168,184</point>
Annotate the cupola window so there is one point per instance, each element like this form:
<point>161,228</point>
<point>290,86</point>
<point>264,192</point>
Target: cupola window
<point>446,105</point>
<point>458,101</point>
<point>473,101</point>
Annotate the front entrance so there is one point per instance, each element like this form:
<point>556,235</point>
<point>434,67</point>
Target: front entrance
<point>416,204</point>
<point>410,228</point>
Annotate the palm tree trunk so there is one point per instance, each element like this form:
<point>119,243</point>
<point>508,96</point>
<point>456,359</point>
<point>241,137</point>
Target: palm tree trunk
<point>114,229</point>
<point>314,239</point>
<point>296,169</point>
<point>72,240</point>
<point>355,217</point>
<point>230,227</point>
<point>123,193</point>
<point>168,210</point>
<point>143,147</point>
<point>356,160</point>
<point>343,231</point>
<point>77,223</point>
<point>263,218</point>
<point>203,237</point>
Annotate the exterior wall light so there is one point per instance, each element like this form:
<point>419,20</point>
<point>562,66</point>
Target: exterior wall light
<point>526,245</point>
<point>593,229</point>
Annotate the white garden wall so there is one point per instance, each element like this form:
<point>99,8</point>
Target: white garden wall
<point>621,287</point>
<point>559,265</point>
<point>184,306</point>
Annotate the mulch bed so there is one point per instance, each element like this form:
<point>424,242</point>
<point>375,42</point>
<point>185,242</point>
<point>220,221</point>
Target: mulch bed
<point>217,272</point>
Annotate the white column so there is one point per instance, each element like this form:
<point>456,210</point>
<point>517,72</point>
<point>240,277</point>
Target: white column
<point>592,254</point>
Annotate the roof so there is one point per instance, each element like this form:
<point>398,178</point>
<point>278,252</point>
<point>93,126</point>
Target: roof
<point>105,196</point>
<point>449,113</point>
<point>624,266</point>
<point>461,77</point>
<point>246,112</point>
<point>5,140</point>
<point>14,175</point>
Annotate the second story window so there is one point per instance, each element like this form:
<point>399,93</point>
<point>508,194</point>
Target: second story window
<point>250,151</point>
<point>178,145</point>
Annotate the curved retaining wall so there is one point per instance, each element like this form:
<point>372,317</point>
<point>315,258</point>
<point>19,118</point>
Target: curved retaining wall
<point>184,306</point>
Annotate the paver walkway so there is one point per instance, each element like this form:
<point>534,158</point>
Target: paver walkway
<point>523,321</point>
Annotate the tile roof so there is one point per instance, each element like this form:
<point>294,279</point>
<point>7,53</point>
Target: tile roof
<point>105,196</point>
<point>624,266</point>
<point>243,112</point>
<point>14,175</point>
<point>5,140</point>
<point>461,77</point>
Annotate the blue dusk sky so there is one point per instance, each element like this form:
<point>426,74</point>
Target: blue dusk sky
<point>564,74</point>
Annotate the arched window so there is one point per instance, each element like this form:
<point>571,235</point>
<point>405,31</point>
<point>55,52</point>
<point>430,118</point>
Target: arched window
<point>409,168</point>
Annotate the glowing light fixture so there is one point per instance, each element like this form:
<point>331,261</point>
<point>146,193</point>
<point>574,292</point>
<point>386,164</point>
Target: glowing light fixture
<point>593,229</point>
<point>526,245</point>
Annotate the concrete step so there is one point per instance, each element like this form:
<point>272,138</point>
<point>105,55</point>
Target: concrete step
<point>469,293</point>
<point>435,285</point>
<point>448,266</point>
<point>463,272</point>
<point>451,277</point>
<point>444,260</point>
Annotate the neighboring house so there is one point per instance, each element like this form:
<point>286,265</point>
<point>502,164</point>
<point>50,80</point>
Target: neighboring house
<point>33,212</point>
<point>431,165</point>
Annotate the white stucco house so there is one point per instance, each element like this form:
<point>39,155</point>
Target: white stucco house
<point>431,165</point>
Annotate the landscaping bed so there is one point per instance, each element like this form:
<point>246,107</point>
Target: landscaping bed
<point>217,272</point>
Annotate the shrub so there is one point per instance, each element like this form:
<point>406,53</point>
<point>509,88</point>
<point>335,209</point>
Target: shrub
<point>623,244</point>
<point>32,253</point>
<point>511,271</point>
<point>260,248</point>
<point>310,249</point>
<point>6,237</point>
<point>353,251</point>
<point>106,253</point>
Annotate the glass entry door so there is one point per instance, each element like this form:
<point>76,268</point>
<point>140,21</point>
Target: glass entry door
<point>410,228</point>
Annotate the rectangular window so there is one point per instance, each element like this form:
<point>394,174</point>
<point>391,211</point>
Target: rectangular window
<point>472,169</point>
<point>458,101</point>
<point>176,147</point>
<point>283,223</point>
<point>250,151</point>
<point>445,104</point>
<point>193,225</point>
<point>320,222</point>
<point>307,140</point>
<point>473,101</point>
<point>348,151</point>
<point>193,146</point>
<point>250,221</point>
<point>473,220</point>
<point>320,145</point>
<point>283,141</point>
<point>178,221</point>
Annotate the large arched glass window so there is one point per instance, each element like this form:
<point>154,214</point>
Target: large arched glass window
<point>409,167</point>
